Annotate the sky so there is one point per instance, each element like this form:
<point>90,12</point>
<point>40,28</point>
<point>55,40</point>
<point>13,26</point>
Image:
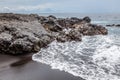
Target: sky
<point>60,6</point>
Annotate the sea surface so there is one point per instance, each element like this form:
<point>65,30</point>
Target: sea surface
<point>95,58</point>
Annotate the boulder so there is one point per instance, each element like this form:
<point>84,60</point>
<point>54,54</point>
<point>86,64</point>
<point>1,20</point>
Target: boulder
<point>5,41</point>
<point>64,23</point>
<point>50,24</point>
<point>110,25</point>
<point>69,35</point>
<point>51,16</point>
<point>74,35</point>
<point>68,22</point>
<point>20,37</point>
<point>91,29</point>
<point>22,33</point>
<point>18,17</point>
<point>87,19</point>
<point>113,25</point>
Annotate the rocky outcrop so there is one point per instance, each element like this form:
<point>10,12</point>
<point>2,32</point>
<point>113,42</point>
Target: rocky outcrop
<point>50,23</point>
<point>68,22</point>
<point>113,25</point>
<point>69,35</point>
<point>18,17</point>
<point>20,37</point>
<point>22,33</point>
<point>87,19</point>
<point>78,27</point>
<point>91,29</point>
<point>110,25</point>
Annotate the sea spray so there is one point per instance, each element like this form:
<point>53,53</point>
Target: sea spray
<point>95,58</point>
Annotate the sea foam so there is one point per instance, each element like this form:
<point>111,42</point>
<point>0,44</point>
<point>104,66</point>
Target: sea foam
<point>95,58</point>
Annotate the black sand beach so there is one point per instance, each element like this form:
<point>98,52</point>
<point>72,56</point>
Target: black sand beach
<point>21,34</point>
<point>30,71</point>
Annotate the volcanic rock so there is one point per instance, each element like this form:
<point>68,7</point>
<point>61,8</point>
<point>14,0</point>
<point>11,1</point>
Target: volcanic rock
<point>23,33</point>
<point>87,19</point>
<point>69,35</point>
<point>20,37</point>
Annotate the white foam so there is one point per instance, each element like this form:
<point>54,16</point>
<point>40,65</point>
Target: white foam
<point>100,22</point>
<point>95,58</point>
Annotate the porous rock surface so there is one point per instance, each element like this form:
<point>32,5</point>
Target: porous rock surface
<point>20,34</point>
<point>23,33</point>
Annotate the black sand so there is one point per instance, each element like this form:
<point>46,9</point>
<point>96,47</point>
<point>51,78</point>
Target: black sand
<point>30,71</point>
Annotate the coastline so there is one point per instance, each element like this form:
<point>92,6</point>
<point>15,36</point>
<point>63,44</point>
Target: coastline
<point>22,34</point>
<point>30,71</point>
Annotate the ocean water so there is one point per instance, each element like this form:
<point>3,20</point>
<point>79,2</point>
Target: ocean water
<point>95,58</point>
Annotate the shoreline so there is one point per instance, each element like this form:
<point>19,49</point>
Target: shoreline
<point>28,33</point>
<point>31,71</point>
<point>22,34</point>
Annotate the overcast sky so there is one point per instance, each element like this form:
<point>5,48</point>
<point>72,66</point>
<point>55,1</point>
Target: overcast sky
<point>60,6</point>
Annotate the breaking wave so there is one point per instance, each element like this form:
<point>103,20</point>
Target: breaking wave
<point>95,58</point>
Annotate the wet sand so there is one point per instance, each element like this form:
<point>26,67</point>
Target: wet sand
<point>30,71</point>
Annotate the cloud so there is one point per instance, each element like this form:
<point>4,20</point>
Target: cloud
<point>30,8</point>
<point>63,6</point>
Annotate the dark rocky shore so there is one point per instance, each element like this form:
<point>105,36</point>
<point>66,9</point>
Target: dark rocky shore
<point>22,33</point>
<point>30,71</point>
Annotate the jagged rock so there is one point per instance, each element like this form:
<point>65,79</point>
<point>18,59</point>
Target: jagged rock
<point>91,29</point>
<point>18,17</point>
<point>74,35</point>
<point>45,40</point>
<point>51,25</point>
<point>63,23</point>
<point>21,46</point>
<point>110,25</point>
<point>74,20</point>
<point>69,35</point>
<point>20,37</point>
<point>113,25</point>
<point>87,19</point>
<point>22,33</point>
<point>51,16</point>
<point>68,22</point>
<point>5,41</point>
